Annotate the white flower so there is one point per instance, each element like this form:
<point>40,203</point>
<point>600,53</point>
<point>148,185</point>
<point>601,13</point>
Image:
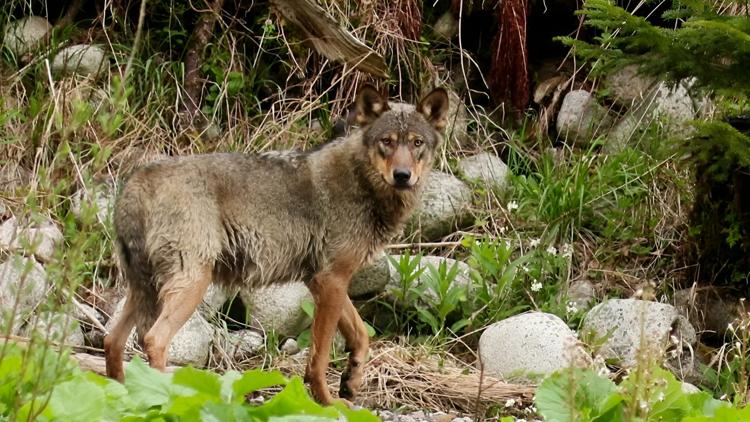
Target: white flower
<point>534,243</point>
<point>510,403</point>
<point>512,205</point>
<point>571,307</point>
<point>660,397</point>
<point>552,250</point>
<point>536,286</point>
<point>525,268</point>
<point>566,250</point>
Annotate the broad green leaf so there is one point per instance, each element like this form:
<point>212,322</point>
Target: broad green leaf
<point>201,381</point>
<point>578,395</point>
<point>255,380</point>
<point>223,412</point>
<point>293,399</point>
<point>227,382</point>
<point>77,400</point>
<point>300,418</point>
<point>147,386</point>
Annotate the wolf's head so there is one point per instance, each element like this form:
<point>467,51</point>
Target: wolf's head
<point>401,142</point>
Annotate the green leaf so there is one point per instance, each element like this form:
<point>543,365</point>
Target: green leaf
<point>578,395</point>
<point>201,381</point>
<point>292,400</point>
<point>77,400</point>
<point>147,386</point>
<point>223,412</point>
<point>255,380</point>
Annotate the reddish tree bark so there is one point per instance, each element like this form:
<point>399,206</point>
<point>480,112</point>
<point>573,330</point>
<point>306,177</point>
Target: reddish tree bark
<point>509,76</point>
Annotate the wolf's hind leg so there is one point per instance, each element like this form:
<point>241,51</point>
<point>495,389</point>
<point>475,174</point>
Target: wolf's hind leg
<point>179,297</point>
<point>114,342</point>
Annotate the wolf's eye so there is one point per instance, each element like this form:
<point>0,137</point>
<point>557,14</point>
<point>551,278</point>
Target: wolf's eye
<point>418,142</point>
<point>386,141</point>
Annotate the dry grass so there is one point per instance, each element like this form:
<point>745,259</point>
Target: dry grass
<point>414,377</point>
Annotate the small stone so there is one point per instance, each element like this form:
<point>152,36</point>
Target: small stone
<point>23,35</point>
<point>446,27</point>
<point>82,59</point>
<point>486,168</point>
<point>290,346</point>
<point>527,346</point>
<point>446,202</point>
<point>582,293</point>
<point>688,388</point>
<point>243,344</point>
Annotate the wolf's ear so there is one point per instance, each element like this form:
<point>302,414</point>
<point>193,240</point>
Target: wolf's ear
<point>369,104</point>
<point>434,107</point>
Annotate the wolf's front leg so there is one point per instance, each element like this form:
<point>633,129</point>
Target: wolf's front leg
<point>357,344</point>
<point>330,293</point>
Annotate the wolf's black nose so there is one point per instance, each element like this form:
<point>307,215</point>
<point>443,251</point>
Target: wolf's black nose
<point>401,177</point>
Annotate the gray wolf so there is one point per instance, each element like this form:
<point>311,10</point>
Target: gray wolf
<point>241,219</point>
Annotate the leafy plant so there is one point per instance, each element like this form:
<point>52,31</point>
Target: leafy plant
<point>576,394</point>
<point>188,394</point>
<point>441,295</point>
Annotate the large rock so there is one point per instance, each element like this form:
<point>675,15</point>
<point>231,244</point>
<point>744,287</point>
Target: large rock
<point>486,168</point>
<point>57,327</point>
<point>445,206</point>
<point>82,59</point>
<point>23,35</point>
<point>40,239</point>
<point>527,346</point>
<point>190,346</point>
<point>711,309</point>
<point>622,319</point>
<point>371,279</point>
<point>627,87</point>
<point>278,307</point>
<point>581,118</point>
<point>215,298</point>
<point>99,199</point>
<point>671,108</point>
<point>23,280</point>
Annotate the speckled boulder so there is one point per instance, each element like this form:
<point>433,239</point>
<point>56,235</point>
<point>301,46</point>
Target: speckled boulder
<point>622,320</point>
<point>190,346</point>
<point>528,346</point>
<point>485,168</point>
<point>581,118</point>
<point>371,279</point>
<point>278,307</point>
<point>445,206</point>
<point>39,239</point>
<point>24,34</point>
<point>54,325</point>
<point>81,59</point>
<point>24,279</point>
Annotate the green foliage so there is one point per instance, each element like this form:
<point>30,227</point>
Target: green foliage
<point>188,394</point>
<point>582,395</point>
<point>711,47</point>
<point>590,194</point>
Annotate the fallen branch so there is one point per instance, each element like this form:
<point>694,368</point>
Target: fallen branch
<point>96,364</point>
<point>328,37</point>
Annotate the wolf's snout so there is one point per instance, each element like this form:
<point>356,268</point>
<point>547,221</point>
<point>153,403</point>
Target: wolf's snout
<point>401,177</point>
